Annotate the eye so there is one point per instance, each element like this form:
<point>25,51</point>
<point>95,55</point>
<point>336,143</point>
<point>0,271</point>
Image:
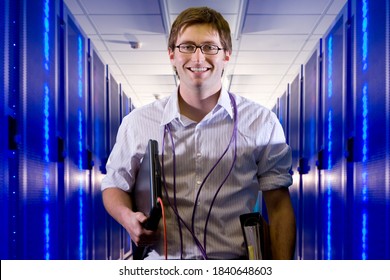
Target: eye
<point>208,48</point>
<point>187,48</point>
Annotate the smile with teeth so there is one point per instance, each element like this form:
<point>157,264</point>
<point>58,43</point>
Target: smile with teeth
<point>198,69</point>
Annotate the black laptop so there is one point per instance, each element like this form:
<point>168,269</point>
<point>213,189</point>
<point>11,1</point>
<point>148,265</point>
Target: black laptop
<point>148,186</point>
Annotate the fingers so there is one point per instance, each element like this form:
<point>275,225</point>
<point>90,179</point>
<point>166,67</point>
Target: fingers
<point>148,238</point>
<point>139,235</point>
<point>140,217</point>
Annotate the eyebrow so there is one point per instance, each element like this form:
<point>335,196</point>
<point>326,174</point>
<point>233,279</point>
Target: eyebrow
<point>203,43</point>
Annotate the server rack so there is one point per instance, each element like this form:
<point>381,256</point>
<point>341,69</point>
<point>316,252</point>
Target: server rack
<point>275,108</point>
<point>77,165</point>
<point>6,59</point>
<point>307,164</point>
<point>36,203</point>
<point>98,99</point>
<point>126,104</point>
<point>126,108</point>
<point>115,229</point>
<point>370,145</point>
<point>12,110</point>
<point>294,135</point>
<point>283,108</point>
<point>333,184</point>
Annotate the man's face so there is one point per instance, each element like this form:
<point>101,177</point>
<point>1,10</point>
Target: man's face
<point>198,71</point>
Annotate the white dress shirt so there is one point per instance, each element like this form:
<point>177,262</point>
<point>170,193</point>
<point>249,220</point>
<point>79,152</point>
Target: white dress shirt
<point>263,162</point>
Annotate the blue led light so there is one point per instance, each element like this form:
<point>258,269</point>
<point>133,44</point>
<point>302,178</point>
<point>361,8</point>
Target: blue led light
<point>46,34</point>
<point>330,66</point>
<point>80,148</point>
<point>330,142</point>
<point>329,220</point>
<point>81,224</point>
<point>329,150</point>
<point>46,128</point>
<point>80,141</point>
<point>329,188</point>
<point>365,35</point>
<point>47,236</point>
<point>80,68</point>
<point>364,236</point>
<point>364,111</point>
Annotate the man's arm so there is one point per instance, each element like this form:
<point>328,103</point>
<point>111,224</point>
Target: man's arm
<point>118,204</point>
<point>281,223</point>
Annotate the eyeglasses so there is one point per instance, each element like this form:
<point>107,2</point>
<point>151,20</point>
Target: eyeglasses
<point>206,48</point>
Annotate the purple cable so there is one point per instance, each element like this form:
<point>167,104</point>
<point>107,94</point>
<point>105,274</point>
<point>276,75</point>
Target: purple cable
<point>174,208</point>
<point>234,135</point>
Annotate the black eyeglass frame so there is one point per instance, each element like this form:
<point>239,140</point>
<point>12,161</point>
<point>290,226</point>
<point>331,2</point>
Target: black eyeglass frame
<point>199,47</point>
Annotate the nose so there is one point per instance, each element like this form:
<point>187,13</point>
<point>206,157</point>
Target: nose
<point>198,56</point>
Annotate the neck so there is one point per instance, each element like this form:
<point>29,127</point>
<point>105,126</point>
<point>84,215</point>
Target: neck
<point>196,106</point>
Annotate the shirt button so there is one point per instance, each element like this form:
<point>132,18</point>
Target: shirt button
<point>198,183</point>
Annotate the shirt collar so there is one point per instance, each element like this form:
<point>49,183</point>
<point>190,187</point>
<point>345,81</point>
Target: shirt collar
<point>225,102</point>
<point>171,110</point>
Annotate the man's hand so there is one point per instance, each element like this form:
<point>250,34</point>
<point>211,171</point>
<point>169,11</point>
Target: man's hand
<point>118,204</point>
<point>140,236</point>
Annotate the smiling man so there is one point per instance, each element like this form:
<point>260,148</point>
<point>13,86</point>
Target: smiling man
<point>218,150</point>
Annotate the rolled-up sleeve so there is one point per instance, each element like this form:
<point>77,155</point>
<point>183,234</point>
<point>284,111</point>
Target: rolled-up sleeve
<point>275,163</point>
<point>120,173</point>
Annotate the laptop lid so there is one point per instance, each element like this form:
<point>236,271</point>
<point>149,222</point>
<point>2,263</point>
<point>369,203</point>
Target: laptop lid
<point>148,182</point>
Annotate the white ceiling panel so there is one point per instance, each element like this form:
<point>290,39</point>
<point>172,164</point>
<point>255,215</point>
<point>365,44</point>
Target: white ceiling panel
<point>269,69</point>
<point>74,7</point>
<point>279,24</point>
<point>265,57</point>
<point>311,43</point>
<point>254,89</point>
<point>138,57</point>
<point>335,7</point>
<point>152,80</point>
<point>272,42</point>
<point>254,79</point>
<point>323,25</point>
<point>287,7</point>
<point>132,24</point>
<point>120,42</point>
<point>86,24</point>
<point>121,7</point>
<point>177,6</point>
<point>106,57</point>
<point>152,88</point>
<point>150,69</point>
<point>115,70</point>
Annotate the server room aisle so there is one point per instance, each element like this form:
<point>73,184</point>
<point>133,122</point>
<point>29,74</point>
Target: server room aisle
<point>62,106</point>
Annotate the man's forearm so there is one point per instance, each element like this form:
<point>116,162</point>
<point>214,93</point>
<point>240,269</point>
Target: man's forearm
<point>281,223</point>
<point>283,236</point>
<point>117,202</point>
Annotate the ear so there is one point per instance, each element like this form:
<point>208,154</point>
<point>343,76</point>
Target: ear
<point>227,56</point>
<point>171,54</point>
